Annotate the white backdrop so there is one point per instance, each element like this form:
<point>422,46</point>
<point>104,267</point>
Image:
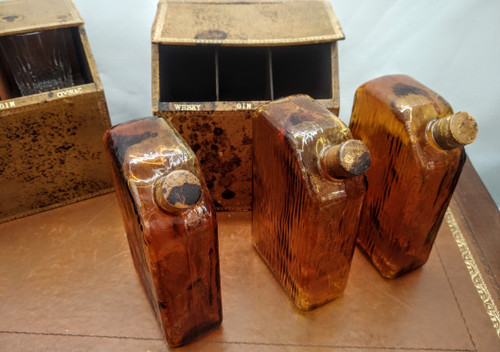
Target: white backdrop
<point>453,47</point>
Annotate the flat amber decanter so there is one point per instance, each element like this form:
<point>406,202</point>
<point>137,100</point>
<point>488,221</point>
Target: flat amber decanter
<point>308,189</point>
<point>171,226</point>
<point>416,144</point>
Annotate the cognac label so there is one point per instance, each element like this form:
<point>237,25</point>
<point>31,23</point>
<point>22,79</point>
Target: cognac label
<point>187,107</point>
<point>7,105</point>
<point>69,92</point>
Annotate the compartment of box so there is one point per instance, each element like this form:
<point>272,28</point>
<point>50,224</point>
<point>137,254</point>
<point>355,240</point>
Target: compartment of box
<point>303,69</point>
<point>187,73</point>
<point>79,63</point>
<point>68,44</point>
<point>243,74</point>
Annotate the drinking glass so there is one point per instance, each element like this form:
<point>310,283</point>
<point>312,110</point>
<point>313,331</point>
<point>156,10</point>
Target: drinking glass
<point>38,61</point>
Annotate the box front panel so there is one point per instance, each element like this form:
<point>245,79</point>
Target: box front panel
<point>222,141</point>
<point>51,153</point>
<point>209,94</point>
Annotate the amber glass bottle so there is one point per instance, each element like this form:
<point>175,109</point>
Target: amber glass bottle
<point>308,189</point>
<point>170,224</point>
<point>416,144</point>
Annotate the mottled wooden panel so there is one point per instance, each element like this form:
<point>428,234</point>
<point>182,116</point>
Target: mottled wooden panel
<point>222,141</point>
<point>31,15</point>
<point>246,22</point>
<point>51,152</point>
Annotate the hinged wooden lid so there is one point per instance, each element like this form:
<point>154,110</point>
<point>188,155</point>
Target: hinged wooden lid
<point>22,16</point>
<point>265,22</point>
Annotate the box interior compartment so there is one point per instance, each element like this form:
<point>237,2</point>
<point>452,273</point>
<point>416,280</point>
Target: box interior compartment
<point>305,69</point>
<point>187,73</point>
<point>6,88</point>
<point>79,64</point>
<point>77,59</point>
<point>244,73</point>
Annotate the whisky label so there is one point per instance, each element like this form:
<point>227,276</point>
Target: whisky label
<point>187,107</point>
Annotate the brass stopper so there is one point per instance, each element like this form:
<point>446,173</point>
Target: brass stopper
<point>178,191</point>
<point>454,130</point>
<point>347,159</point>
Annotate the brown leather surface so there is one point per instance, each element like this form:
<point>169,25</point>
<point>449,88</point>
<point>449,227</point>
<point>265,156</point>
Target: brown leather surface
<point>67,283</point>
<point>481,219</point>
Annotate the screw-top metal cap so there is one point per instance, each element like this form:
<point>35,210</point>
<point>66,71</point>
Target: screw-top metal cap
<point>347,159</point>
<point>454,130</point>
<point>178,191</point>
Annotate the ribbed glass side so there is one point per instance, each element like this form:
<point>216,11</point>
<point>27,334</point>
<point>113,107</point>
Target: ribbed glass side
<point>304,224</point>
<point>410,180</point>
<point>176,254</point>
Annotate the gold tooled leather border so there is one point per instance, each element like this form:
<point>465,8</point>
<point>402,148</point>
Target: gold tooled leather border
<point>475,274</point>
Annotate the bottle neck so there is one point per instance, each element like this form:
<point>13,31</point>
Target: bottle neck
<point>347,159</point>
<point>453,131</point>
<point>178,191</point>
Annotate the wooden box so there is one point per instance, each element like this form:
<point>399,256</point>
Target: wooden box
<point>214,62</point>
<point>51,150</point>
